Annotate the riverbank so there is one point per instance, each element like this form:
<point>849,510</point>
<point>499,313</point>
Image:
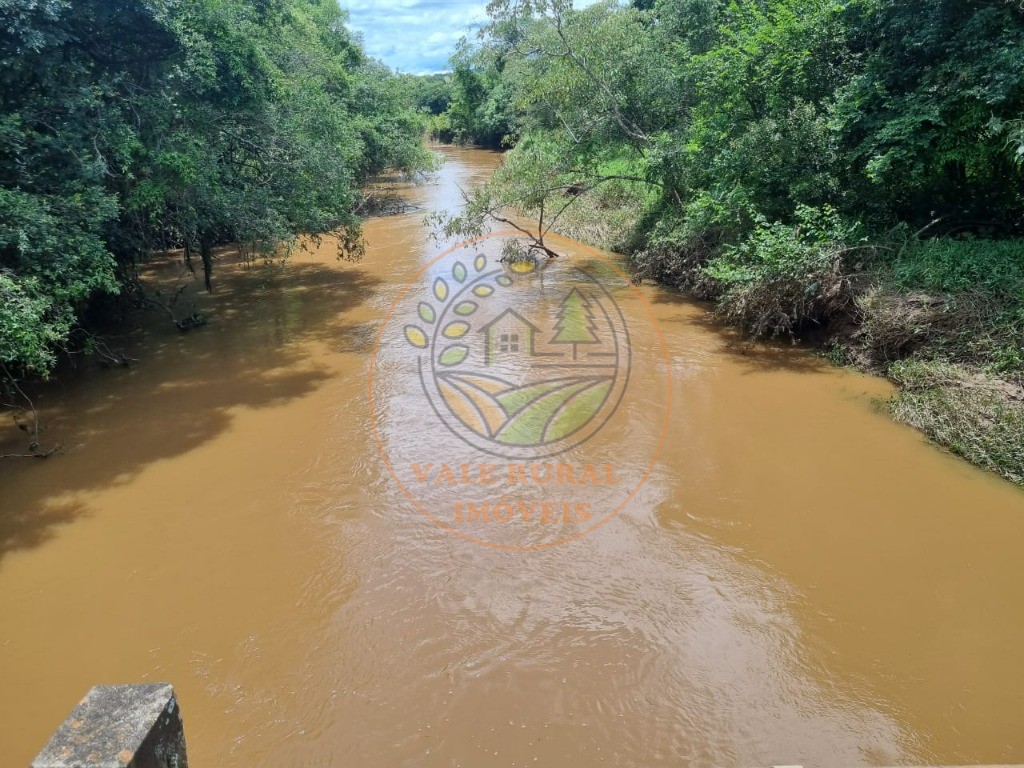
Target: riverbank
<point>809,176</point>
<point>944,321</point>
<point>222,518</point>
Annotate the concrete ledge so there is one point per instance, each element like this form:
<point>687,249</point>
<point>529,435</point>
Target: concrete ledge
<point>119,726</point>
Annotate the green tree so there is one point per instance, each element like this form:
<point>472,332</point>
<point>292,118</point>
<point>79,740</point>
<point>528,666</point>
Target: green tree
<point>479,111</point>
<point>432,93</point>
<point>127,128</point>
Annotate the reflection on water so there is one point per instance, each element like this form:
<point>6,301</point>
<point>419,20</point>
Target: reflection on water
<point>799,580</point>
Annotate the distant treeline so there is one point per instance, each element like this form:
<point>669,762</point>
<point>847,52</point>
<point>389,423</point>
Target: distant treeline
<point>130,127</point>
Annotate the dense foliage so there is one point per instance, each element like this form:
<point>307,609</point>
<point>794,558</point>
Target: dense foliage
<point>127,127</point>
<point>856,165</point>
<point>432,94</point>
<point>740,111</point>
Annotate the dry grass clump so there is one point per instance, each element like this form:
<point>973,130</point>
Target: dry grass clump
<point>894,325</point>
<point>781,302</point>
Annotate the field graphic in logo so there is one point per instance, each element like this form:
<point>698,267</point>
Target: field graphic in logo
<point>513,380</point>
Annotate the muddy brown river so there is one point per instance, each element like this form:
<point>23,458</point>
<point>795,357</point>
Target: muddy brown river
<point>797,580</point>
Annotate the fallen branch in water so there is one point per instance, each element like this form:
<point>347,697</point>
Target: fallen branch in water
<point>193,320</point>
<point>35,451</point>
<point>95,345</point>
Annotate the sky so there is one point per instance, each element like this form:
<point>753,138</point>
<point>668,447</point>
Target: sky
<point>415,36</point>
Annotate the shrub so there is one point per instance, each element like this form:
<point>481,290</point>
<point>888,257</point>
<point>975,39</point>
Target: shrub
<point>680,244</point>
<point>784,276</point>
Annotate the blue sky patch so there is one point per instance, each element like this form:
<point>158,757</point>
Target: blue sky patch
<point>415,36</point>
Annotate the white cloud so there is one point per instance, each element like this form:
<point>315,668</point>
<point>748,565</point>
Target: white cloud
<point>417,36</point>
<point>414,36</point>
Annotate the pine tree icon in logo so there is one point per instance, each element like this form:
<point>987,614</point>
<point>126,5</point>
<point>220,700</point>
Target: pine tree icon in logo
<point>575,322</point>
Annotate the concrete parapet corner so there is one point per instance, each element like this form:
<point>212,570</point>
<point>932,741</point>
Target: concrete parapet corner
<point>119,726</point>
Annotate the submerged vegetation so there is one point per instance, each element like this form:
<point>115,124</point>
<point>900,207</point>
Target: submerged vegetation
<point>847,170</point>
<point>129,128</point>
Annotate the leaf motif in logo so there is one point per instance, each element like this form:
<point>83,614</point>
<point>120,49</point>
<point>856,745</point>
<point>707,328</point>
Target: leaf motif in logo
<point>426,313</point>
<point>454,354</point>
<point>483,291</point>
<point>465,308</point>
<point>459,272</point>
<point>503,280</point>
<point>456,330</point>
<point>416,337</point>
<point>440,289</point>
<point>481,260</point>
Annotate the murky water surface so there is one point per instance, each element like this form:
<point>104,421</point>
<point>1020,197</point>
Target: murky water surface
<point>798,581</point>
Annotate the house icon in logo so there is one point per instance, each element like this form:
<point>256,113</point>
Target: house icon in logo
<point>508,335</point>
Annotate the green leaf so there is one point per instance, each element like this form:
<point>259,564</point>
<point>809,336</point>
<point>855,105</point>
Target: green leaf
<point>426,312</point>
<point>454,354</point>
